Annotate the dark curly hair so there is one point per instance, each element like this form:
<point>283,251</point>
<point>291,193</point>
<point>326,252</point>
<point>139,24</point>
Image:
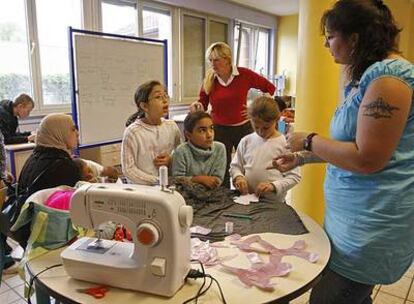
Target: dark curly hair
<point>375,26</point>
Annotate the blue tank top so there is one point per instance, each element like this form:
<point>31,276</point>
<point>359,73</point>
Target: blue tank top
<point>370,218</point>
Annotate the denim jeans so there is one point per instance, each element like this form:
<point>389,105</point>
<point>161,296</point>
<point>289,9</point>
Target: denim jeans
<point>336,289</point>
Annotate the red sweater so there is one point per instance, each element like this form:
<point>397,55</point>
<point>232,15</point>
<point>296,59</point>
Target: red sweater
<point>227,103</point>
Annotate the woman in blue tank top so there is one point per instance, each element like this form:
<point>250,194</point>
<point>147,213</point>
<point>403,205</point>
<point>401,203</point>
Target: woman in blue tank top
<point>369,185</point>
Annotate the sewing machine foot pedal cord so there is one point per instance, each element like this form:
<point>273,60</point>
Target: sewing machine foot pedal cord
<point>196,274</point>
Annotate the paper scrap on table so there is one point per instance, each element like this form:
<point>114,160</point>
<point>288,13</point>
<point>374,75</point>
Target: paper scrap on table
<point>246,199</point>
<point>200,230</point>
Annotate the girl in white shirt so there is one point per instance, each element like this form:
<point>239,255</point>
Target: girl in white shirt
<point>256,151</point>
<point>149,141</point>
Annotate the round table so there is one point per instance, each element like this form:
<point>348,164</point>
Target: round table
<point>304,275</point>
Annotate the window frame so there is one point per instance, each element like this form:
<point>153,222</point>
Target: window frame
<point>207,18</point>
<point>91,19</point>
<point>35,69</point>
<point>259,28</point>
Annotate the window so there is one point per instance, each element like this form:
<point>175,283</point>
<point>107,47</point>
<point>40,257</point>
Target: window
<point>218,31</point>
<point>53,19</point>
<point>133,18</point>
<point>198,32</point>
<point>119,18</point>
<point>42,70</point>
<point>14,53</point>
<point>156,24</point>
<point>251,45</point>
<point>193,55</point>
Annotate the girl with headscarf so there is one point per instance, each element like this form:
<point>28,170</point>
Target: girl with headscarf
<point>56,138</point>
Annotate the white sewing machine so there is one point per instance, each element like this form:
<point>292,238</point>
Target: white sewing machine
<point>156,262</point>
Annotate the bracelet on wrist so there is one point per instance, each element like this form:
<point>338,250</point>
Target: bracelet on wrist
<point>307,142</point>
<point>300,158</point>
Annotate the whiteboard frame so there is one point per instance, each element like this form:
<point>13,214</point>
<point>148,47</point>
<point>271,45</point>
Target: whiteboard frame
<point>73,81</point>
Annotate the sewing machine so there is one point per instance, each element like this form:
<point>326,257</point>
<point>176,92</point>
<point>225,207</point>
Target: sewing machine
<point>158,259</point>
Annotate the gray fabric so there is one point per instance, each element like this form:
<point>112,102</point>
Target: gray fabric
<point>267,215</point>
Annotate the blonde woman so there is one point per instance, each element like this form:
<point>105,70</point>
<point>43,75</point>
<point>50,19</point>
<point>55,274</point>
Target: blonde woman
<point>225,89</point>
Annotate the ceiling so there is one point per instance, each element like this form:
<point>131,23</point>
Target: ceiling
<point>275,7</point>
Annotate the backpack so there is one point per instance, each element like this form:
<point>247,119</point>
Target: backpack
<point>13,205</point>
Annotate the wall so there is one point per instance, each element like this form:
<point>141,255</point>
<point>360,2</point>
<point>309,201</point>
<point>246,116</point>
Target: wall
<point>403,12</point>
<point>227,10</point>
<point>287,50</point>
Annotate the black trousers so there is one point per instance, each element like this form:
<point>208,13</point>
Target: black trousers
<point>336,289</point>
<point>230,136</point>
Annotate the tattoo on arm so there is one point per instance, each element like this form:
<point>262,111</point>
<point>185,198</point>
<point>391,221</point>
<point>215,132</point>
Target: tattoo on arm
<point>379,109</point>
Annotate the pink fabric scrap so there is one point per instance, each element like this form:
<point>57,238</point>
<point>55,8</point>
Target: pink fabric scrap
<point>60,199</point>
<point>206,254</point>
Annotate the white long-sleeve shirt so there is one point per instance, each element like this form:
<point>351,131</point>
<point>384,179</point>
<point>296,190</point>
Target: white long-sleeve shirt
<point>141,143</point>
<point>254,154</point>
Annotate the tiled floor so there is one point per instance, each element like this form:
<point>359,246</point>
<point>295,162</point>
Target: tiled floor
<point>401,292</point>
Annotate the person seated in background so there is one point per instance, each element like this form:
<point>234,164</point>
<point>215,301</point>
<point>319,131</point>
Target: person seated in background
<point>10,112</point>
<point>148,142</point>
<point>201,159</point>
<point>256,151</point>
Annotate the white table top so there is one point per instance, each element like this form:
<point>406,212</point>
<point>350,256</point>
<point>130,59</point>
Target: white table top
<point>298,281</point>
<point>17,147</point>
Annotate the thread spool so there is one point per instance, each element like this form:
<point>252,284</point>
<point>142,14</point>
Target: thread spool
<point>163,176</point>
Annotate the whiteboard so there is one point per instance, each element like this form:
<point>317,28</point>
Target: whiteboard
<point>108,72</point>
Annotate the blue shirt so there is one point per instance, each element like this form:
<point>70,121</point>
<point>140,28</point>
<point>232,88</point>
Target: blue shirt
<point>370,218</point>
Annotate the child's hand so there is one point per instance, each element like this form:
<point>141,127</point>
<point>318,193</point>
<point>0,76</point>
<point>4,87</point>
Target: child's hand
<point>163,159</point>
<point>211,182</point>
<point>111,173</point>
<point>240,183</point>
<point>263,188</point>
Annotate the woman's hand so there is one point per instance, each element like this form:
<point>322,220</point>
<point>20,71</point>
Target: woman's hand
<point>296,140</point>
<point>244,112</point>
<point>240,183</point>
<point>285,162</point>
<point>263,188</point>
<point>196,106</point>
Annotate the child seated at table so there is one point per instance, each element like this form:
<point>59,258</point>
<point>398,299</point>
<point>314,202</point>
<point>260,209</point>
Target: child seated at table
<point>256,151</point>
<point>201,159</point>
<point>148,142</point>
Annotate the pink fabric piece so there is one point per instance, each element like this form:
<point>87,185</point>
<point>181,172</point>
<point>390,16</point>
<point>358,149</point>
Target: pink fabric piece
<point>297,249</point>
<point>60,199</point>
<point>206,254</point>
<point>251,277</point>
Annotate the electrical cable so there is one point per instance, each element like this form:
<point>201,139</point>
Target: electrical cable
<point>34,278</point>
<point>195,274</point>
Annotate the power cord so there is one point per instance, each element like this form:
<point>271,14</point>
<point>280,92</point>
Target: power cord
<point>35,277</point>
<point>196,274</point>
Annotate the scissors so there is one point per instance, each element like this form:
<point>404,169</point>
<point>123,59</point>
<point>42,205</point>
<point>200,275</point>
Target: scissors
<point>97,292</point>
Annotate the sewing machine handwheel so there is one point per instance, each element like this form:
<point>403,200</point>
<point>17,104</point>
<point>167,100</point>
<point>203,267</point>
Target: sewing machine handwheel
<point>148,234</point>
<point>185,216</point>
